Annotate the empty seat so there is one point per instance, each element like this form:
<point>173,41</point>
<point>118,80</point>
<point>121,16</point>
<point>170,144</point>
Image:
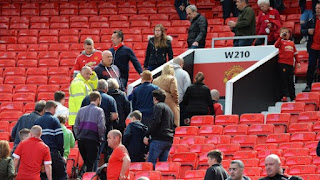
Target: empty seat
<point>4,135</point>
<point>226,119</point>
<point>201,120</point>
<point>293,107</point>
<point>260,147</point>
<point>48,63</point>
<point>302,169</point>
<point>303,136</point>
<point>186,131</point>
<point>37,71</point>
<point>169,169</point>
<point>245,155</point>
<point>5,97</point>
<point>300,127</point>
<point>27,55</point>
<point>176,148</point>
<point>298,160</point>
<point>279,120</point>
<point>48,88</point>
<point>58,71</point>
<point>264,153</point>
<point>245,141</point>
<point>278,138</point>
<point>4,126</point>
<point>316,127</point>
<point>310,176</point>
<point>38,47</point>
<point>199,148</point>
<point>208,130</point>
<point>192,140</point>
<point>252,119</point>
<point>6,88</point>
<point>296,152</point>
<point>59,47</point>
<point>252,162</point>
<point>69,39</point>
<point>59,80</point>
<point>11,106</point>
<point>48,39</point>
<point>24,97</point>
<point>315,86</point>
<point>241,129</point>
<point>261,129</point>
<point>10,116</point>
<point>192,174</point>
<point>311,99</point>
<point>25,88</point>
<point>218,139</point>
<point>308,116</point>
<point>290,145</point>
<point>141,166</point>
<point>37,80</point>
<point>14,80</point>
<point>188,161</point>
<point>7,63</point>
<point>148,174</point>
<point>17,47</point>
<point>228,149</point>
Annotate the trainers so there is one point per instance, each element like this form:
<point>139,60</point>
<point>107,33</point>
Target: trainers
<point>303,40</point>
<point>284,99</point>
<point>307,89</point>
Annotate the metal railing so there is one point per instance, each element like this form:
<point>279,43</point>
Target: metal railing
<point>242,37</point>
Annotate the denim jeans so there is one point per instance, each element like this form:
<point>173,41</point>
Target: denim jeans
<point>242,42</point>
<point>159,149</point>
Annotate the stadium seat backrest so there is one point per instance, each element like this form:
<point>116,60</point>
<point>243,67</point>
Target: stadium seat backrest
<point>303,136</point>
<point>6,88</point>
<point>252,162</point>
<point>186,131</point>
<point>5,136</point>
<point>11,106</point>
<point>296,152</point>
<point>14,71</point>
<point>310,176</point>
<point>10,116</point>
<point>245,154</point>
<point>199,148</point>
<point>259,147</point>
<point>141,166</point>
<point>192,140</point>
<point>169,168</point>
<point>218,139</point>
<point>245,140</point>
<point>228,149</point>
<point>208,130</point>
<point>4,126</point>
<point>316,127</point>
<point>254,118</point>
<point>226,119</point>
<point>265,153</point>
<point>252,171</point>
<point>14,80</point>
<point>148,174</point>
<point>298,160</point>
<point>195,174</point>
<point>45,96</point>
<point>24,97</point>
<point>308,116</point>
<point>293,107</point>
<point>261,129</point>
<point>241,129</point>
<point>289,145</point>
<point>300,127</point>
<point>176,148</point>
<point>302,169</point>
<point>48,88</point>
<point>25,88</point>
<point>37,80</point>
<point>201,120</point>
<point>278,138</point>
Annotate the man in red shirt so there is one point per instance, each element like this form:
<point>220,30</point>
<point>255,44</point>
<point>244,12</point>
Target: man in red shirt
<point>88,57</point>
<point>287,53</point>
<point>119,161</point>
<point>32,154</point>
<point>313,31</point>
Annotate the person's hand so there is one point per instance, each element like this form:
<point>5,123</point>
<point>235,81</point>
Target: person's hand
<point>269,25</point>
<point>42,169</point>
<point>146,141</point>
<point>311,31</point>
<point>195,44</point>
<point>231,24</point>
<point>298,65</point>
<point>181,8</point>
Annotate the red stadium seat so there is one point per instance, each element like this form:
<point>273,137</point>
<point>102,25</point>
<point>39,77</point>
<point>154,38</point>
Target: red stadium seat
<point>148,174</point>
<point>171,169</point>
<point>218,139</point>
<point>188,161</point>
<point>316,127</point>
<point>119,24</point>
<point>302,169</point>
<point>308,117</point>
<point>192,140</point>
<point>140,24</point>
<point>175,30</point>
<point>37,80</point>
<point>109,11</point>
<point>280,121</point>
<point>37,71</point>
<point>252,171</point>
<point>245,141</point>
<point>252,119</point>
<point>226,119</point>
<point>311,99</point>
<point>228,149</point>
<point>201,120</point>
<point>252,162</point>
<point>303,136</point>
<point>14,80</point>
<point>38,47</point>
<point>48,88</point>
<point>7,63</point>
<point>260,147</point>
<point>293,107</point>
<point>278,138</point>
<point>300,127</point>
<point>4,135</point>
<point>10,40</point>
<point>10,116</point>
<point>7,55</point>
<point>25,88</point>
<point>186,131</point>
<point>199,148</point>
<point>192,174</point>
<point>48,39</point>
<point>17,47</point>
<point>310,176</point>
<point>24,97</point>
<point>264,153</point>
<point>98,19</point>
<point>29,107</point>
<point>241,129</point>
<point>48,63</point>
<point>207,130</point>
<point>176,148</point>
<point>296,152</point>
<point>58,71</point>
<point>59,47</point>
<point>11,106</point>
<point>141,166</point>
<point>298,160</point>
<point>245,155</point>
<point>6,88</point>
<point>290,145</point>
<point>59,80</point>
<point>4,126</point>
<point>261,129</point>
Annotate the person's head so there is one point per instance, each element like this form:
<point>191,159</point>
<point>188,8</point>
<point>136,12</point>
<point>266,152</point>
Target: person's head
<point>136,115</point>
<point>167,70</point>
<point>112,84</point>
<point>191,11</point>
<point>39,107</point>
<point>51,107</point>
<point>24,134</point>
<point>317,9</point>
<point>178,60</point>
<point>88,46</point>
<point>4,149</point>
<point>95,98</point>
<point>117,37</point>
<point>264,5</point>
<point>159,31</point>
<point>59,96</point>
<point>214,157</point>
<point>86,72</point>
<point>273,165</point>
<point>146,76</point>
<point>103,85</point>
<point>160,37</point>
<point>62,118</point>
<point>285,32</point>
<point>36,131</point>
<point>143,178</point>
<point>114,138</point>
<point>215,95</point>
<point>199,78</point>
<point>107,58</point>
<point>159,95</point>
<point>236,170</point>
<point>241,4</point>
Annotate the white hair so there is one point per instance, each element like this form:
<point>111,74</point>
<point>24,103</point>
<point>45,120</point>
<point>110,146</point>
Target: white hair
<point>263,2</point>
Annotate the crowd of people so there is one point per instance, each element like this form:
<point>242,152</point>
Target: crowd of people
<point>98,107</point>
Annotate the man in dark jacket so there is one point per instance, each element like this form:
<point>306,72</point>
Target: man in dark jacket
<point>162,129</point>
<point>122,55</point>
<point>198,29</point>
<point>105,69</point>
<point>133,138</point>
<point>215,170</point>
<point>123,104</point>
<point>27,121</point>
<point>312,29</point>
<point>180,6</point>
<point>245,25</point>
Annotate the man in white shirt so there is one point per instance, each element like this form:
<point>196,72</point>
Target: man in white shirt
<point>59,97</point>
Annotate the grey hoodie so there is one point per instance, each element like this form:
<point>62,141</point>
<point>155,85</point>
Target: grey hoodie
<point>183,80</point>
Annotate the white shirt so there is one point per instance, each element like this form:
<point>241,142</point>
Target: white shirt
<point>61,109</point>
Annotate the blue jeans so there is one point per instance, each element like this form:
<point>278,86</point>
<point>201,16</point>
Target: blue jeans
<point>306,15</point>
<point>159,149</point>
<point>124,82</point>
<point>242,42</point>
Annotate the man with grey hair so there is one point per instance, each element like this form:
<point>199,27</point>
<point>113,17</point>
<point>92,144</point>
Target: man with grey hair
<point>197,32</point>
<point>217,107</point>
<point>88,57</point>
<point>123,104</point>
<point>236,171</point>
<point>274,170</point>
<point>27,121</point>
<point>106,69</point>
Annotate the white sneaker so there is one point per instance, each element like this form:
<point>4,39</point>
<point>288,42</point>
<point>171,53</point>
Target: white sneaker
<point>303,40</point>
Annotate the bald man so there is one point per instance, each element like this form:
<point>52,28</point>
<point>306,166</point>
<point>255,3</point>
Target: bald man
<point>35,151</point>
<point>119,162</point>
<point>274,170</point>
<point>106,69</point>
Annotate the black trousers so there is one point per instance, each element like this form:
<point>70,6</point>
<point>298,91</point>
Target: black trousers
<point>58,167</point>
<point>88,150</point>
<point>287,84</point>
<point>314,55</point>
<point>229,6</point>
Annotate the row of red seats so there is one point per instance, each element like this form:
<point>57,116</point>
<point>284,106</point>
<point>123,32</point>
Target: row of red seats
<point>37,80</point>
<point>22,71</point>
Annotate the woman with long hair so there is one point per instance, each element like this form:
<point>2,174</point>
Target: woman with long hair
<point>168,83</point>
<point>197,98</point>
<point>159,48</point>
<point>7,170</point>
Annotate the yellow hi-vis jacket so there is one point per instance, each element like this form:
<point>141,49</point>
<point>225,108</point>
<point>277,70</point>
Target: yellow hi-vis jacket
<point>79,89</point>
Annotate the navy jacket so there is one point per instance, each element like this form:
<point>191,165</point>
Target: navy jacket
<point>133,139</point>
<point>311,24</point>
<point>121,59</point>
<point>142,99</point>
<point>25,121</point>
<point>52,134</point>
<point>108,104</point>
